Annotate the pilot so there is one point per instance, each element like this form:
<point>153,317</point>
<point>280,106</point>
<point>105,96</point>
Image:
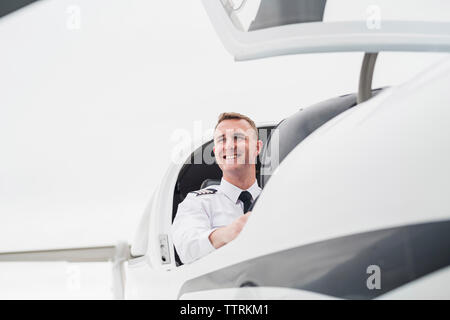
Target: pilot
<point>210,218</point>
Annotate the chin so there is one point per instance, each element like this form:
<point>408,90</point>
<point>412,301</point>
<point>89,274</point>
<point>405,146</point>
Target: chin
<point>233,168</point>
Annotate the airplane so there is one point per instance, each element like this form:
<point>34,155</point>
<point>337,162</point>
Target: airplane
<point>355,188</point>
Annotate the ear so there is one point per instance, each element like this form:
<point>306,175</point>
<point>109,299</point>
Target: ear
<point>259,146</point>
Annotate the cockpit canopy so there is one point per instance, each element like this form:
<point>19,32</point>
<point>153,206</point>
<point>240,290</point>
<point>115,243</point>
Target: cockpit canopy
<point>263,28</point>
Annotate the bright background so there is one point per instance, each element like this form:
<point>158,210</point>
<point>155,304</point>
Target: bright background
<point>88,109</point>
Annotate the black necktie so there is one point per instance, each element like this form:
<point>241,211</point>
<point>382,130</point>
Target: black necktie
<point>246,198</point>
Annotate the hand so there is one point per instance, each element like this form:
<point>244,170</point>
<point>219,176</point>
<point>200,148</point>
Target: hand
<point>222,236</point>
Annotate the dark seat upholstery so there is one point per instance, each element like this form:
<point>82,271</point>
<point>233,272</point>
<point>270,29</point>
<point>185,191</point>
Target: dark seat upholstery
<point>209,182</point>
<point>294,129</point>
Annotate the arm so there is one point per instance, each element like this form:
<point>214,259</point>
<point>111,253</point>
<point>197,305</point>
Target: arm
<point>224,235</point>
<point>191,229</point>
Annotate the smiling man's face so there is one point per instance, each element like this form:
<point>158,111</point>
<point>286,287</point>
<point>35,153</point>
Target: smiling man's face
<point>236,145</point>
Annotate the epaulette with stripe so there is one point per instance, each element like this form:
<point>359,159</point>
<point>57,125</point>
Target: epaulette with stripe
<point>204,191</point>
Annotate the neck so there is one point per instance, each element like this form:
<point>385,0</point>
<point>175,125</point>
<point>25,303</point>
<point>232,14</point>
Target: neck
<point>242,181</point>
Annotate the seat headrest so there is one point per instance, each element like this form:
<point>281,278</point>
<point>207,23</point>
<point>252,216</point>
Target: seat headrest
<point>209,182</point>
<point>293,130</point>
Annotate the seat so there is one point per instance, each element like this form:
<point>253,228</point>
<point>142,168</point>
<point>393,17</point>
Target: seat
<point>195,176</point>
<point>294,129</point>
<point>209,182</point>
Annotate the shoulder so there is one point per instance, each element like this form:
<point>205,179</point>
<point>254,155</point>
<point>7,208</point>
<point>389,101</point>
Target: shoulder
<point>198,199</point>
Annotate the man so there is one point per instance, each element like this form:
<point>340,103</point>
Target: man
<point>212,217</point>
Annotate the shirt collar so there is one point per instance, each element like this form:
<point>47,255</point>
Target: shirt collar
<point>233,192</point>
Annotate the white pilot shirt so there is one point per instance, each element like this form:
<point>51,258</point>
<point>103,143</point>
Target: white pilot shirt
<point>200,214</point>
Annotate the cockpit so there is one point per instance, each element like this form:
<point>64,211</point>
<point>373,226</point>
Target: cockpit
<point>278,141</point>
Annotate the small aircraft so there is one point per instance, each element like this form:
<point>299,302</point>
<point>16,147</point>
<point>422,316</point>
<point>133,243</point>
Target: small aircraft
<point>355,201</point>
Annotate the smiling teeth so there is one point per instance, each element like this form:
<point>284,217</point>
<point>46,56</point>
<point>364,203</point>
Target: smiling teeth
<point>230,157</point>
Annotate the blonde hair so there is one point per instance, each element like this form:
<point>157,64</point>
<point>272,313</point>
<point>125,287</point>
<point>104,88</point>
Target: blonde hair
<point>236,116</point>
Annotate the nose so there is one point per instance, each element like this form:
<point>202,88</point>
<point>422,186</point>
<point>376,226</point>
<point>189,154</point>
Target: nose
<point>230,144</point>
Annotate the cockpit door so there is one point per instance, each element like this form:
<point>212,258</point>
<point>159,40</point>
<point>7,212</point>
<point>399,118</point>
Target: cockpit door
<point>252,29</point>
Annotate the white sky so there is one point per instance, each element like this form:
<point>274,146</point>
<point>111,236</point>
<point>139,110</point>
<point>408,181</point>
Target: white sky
<point>86,115</point>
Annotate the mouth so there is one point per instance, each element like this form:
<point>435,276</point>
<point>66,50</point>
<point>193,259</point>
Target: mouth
<point>230,157</point>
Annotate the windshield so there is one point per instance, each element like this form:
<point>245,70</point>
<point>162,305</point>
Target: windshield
<point>250,15</point>
<point>260,14</point>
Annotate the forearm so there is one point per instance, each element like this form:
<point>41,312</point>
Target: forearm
<point>218,237</point>
<point>224,235</point>
<point>192,245</point>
